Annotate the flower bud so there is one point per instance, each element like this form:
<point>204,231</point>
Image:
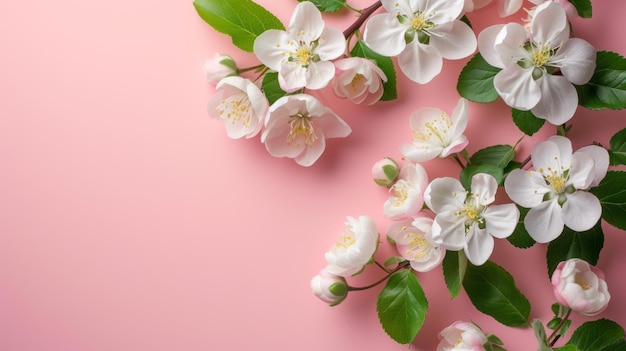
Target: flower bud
<point>461,336</point>
<point>385,172</point>
<point>329,288</point>
<point>359,80</point>
<point>219,67</point>
<point>580,286</point>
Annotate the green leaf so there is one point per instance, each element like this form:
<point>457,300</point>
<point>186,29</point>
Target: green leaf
<point>271,87</point>
<point>607,87</point>
<point>454,265</point>
<point>596,335</point>
<point>540,335</point>
<point>492,290</point>
<point>499,155</point>
<point>617,152</point>
<point>612,195</point>
<point>570,244</point>
<point>527,122</point>
<point>520,237</point>
<point>402,307</point>
<point>384,63</point>
<point>583,7</point>
<point>618,346</point>
<point>554,323</point>
<point>468,172</point>
<point>243,20</point>
<point>328,5</point>
<point>476,80</point>
<point>567,348</point>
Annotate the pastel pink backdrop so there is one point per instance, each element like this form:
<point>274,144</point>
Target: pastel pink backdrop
<point>129,220</point>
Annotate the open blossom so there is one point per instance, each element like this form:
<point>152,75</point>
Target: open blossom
<point>435,134</point>
<point>530,59</point>
<point>421,33</point>
<point>359,80</point>
<point>329,288</point>
<point>554,188</point>
<point>297,127</point>
<point>385,171</point>
<point>414,242</point>
<point>301,55</point>
<point>467,220</point>
<point>461,336</point>
<point>570,10</point>
<point>219,67</point>
<point>505,7</point>
<point>241,105</point>
<point>581,287</point>
<point>407,194</point>
<point>355,247</point>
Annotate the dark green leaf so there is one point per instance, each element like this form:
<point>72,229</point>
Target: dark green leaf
<point>607,87</point>
<point>618,346</point>
<point>402,307</point>
<point>328,5</point>
<point>526,121</point>
<point>492,290</point>
<point>596,335</point>
<point>243,20</point>
<point>468,172</point>
<point>570,244</point>
<point>520,237</point>
<point>384,63</point>
<point>476,80</point>
<point>567,348</point>
<point>612,195</point>
<point>499,155</point>
<point>618,148</point>
<point>271,87</point>
<point>454,265</point>
<point>511,166</point>
<point>583,7</point>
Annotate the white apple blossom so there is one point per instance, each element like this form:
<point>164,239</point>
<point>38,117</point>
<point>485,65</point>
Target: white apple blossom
<point>554,188</point>
<point>461,336</point>
<point>581,287</point>
<point>414,242</point>
<point>219,67</point>
<point>505,7</point>
<point>355,247</point>
<point>465,220</point>
<point>529,59</point>
<point>570,10</point>
<point>359,80</point>
<point>421,33</point>
<point>297,127</point>
<point>241,105</point>
<point>407,194</point>
<point>301,55</point>
<point>435,134</point>
<point>329,288</point>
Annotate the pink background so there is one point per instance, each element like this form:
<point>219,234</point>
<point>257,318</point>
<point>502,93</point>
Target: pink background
<point>130,221</point>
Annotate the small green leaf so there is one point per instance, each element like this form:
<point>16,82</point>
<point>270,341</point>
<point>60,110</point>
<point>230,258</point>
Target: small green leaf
<point>328,5</point>
<point>583,7</point>
<point>499,155</point>
<point>527,122</point>
<point>617,152</point>
<point>607,87</point>
<point>360,49</point>
<point>520,237</point>
<point>556,308</point>
<point>570,244</point>
<point>243,20</point>
<point>468,172</point>
<point>492,290</point>
<point>476,80</point>
<point>612,195</point>
<point>540,335</point>
<point>494,339</point>
<point>596,335</point>
<point>454,265</point>
<point>402,307</point>
<point>393,260</point>
<point>554,323</point>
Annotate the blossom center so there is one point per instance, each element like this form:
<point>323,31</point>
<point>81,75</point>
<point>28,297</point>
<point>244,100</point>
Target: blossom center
<point>301,125</point>
<point>582,282</point>
<point>418,246</point>
<point>302,56</point>
<point>541,56</point>
<point>346,240</point>
<point>356,82</point>
<point>437,128</point>
<point>555,180</point>
<point>235,108</point>
<point>420,22</point>
<point>401,191</point>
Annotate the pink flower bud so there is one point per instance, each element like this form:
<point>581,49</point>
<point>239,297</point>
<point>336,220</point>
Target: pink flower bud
<point>385,172</point>
<point>462,336</point>
<point>580,286</point>
<point>329,288</point>
<point>219,67</point>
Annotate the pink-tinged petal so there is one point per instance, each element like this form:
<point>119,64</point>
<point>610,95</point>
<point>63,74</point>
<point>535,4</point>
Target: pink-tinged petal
<point>508,7</point>
<point>312,153</point>
<point>444,192</point>
<point>582,171</point>
<point>501,220</point>
<point>271,48</point>
<point>479,245</point>
<point>549,24</point>
<point>459,118</point>
<point>319,74</point>
<point>292,77</point>
<point>509,44</point>
<point>517,87</point>
<point>544,223</point>
<point>581,211</point>
<point>484,187</point>
<point>448,232</point>
<point>486,45</point>
<point>456,42</point>
<point>443,11</point>
<point>385,35</point>
<point>600,158</point>
<point>554,154</point>
<point>526,188</point>
<point>306,23</point>
<point>420,63</point>
<point>456,146</point>
<point>420,151</point>
<point>559,99</point>
<point>577,60</point>
<point>332,44</point>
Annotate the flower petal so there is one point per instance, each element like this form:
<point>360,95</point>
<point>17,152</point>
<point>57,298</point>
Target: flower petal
<point>443,192</point>
<point>319,74</point>
<point>292,77</point>
<point>508,7</point>
<point>517,87</point>
<point>420,63</point>
<point>271,48</point>
<point>459,118</point>
<point>385,35</point>
<point>577,60</point>
<point>549,24</point>
<point>526,188</point>
<point>554,154</point>
<point>312,153</point>
<point>457,41</point>
<point>420,151</point>
<point>582,171</point>
<point>484,187</point>
<point>486,45</point>
<point>544,223</point>
<point>443,11</point>
<point>581,211</point>
<point>332,44</point>
<point>559,99</point>
<point>448,232</point>
<point>306,23</point>
<point>479,245</point>
<point>501,220</point>
<point>509,43</point>
<point>600,161</point>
